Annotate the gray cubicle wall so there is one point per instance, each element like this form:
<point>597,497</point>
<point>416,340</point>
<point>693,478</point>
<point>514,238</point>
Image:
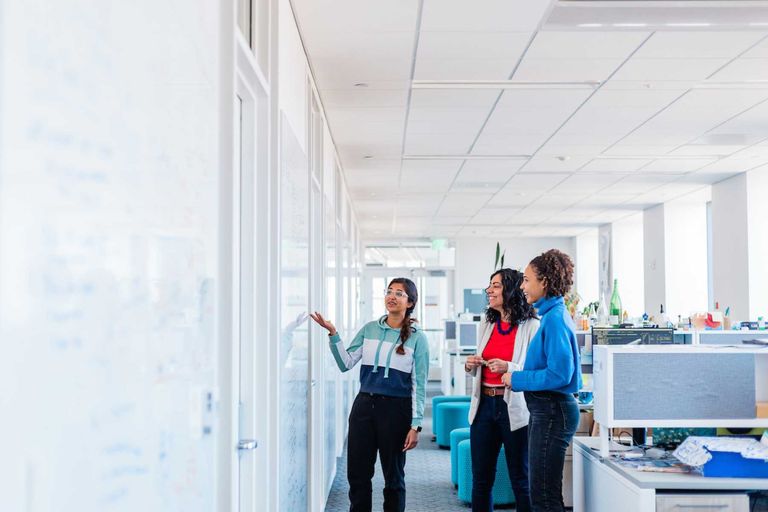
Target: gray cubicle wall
<point>684,386</point>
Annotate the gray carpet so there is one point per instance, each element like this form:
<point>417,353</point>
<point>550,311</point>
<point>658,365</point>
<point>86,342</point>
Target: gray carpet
<point>427,475</point>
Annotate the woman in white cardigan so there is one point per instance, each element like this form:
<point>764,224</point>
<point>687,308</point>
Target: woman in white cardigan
<point>498,416</point>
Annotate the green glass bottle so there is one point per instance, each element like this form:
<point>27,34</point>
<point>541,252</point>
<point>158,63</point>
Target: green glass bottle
<point>615,310</point>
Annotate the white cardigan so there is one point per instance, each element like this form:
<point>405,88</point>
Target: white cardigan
<point>518,411</point>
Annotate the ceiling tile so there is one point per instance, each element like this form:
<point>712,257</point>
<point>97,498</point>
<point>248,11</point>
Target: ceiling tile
<point>586,183</point>
<point>486,16</point>
<point>584,45</point>
<point>566,70</point>
<point>697,44</point>
<point>493,172</point>
<point>467,46</point>
<point>363,97</point>
<point>474,69</point>
<point>743,70</point>
<point>617,165</point>
<point>676,166</point>
<point>371,16</point>
<point>358,45</point>
<point>560,164</point>
<point>668,69</point>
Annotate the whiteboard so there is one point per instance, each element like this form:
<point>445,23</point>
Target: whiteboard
<point>108,255</point>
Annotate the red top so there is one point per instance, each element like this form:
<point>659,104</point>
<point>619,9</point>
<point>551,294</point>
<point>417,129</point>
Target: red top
<point>500,346</point>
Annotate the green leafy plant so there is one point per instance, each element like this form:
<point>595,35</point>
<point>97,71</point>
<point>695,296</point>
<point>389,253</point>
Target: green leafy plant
<point>499,263</point>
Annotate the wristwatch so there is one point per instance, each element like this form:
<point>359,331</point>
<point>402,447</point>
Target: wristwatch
<point>417,429</point>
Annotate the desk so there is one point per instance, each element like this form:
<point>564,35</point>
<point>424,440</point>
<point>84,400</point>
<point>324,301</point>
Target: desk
<point>599,485</point>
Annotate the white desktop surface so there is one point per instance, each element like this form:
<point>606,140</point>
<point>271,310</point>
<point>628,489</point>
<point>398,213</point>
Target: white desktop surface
<point>590,447</point>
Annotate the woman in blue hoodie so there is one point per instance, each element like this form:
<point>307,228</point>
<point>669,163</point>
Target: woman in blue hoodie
<point>387,414</point>
<point>550,376</point>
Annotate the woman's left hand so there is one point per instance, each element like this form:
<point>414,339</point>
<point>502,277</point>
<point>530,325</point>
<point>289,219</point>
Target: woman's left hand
<point>411,440</point>
<point>507,379</point>
<point>497,365</point>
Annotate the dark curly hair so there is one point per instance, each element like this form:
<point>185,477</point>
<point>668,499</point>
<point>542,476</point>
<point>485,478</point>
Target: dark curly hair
<point>413,296</point>
<point>514,303</point>
<point>556,268</point>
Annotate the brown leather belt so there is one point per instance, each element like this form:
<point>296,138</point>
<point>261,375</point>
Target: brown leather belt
<point>492,390</point>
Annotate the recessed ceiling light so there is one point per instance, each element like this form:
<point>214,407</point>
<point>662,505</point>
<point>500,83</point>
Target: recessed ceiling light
<point>630,25</point>
<point>590,25</point>
<point>759,24</point>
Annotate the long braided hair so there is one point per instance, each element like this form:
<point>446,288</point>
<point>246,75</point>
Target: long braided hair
<point>413,297</point>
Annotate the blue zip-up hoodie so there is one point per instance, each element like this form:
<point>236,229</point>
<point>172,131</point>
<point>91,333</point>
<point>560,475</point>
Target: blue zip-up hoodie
<point>552,362</point>
<point>383,371</point>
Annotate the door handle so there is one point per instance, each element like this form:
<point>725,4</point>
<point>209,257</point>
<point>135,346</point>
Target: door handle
<point>247,444</point>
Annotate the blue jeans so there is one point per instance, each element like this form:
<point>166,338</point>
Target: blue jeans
<point>488,432</point>
<point>554,419</point>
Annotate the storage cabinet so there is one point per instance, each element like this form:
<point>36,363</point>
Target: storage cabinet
<point>702,502</point>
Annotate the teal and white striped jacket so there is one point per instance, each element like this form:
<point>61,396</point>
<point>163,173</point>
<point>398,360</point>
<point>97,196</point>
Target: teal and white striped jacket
<point>383,371</point>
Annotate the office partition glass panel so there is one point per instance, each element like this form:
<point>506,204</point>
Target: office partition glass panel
<point>332,374</point>
<point>294,302</point>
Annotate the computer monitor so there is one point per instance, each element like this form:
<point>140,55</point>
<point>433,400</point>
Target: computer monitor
<point>468,335</point>
<point>635,336</point>
<point>450,330</point>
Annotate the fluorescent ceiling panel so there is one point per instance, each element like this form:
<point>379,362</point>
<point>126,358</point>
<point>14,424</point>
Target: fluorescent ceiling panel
<point>653,15</point>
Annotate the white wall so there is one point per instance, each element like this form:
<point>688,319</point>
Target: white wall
<point>757,200</point>
<point>587,277</point>
<point>475,256</point>
<point>654,260</point>
<point>685,232</point>
<point>730,245</point>
<point>292,75</point>
<point>627,262</point>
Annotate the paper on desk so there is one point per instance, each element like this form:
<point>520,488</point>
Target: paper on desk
<point>694,451</point>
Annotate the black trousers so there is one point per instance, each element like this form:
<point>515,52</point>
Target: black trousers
<point>554,419</point>
<point>380,424</point>
<point>488,433</point>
